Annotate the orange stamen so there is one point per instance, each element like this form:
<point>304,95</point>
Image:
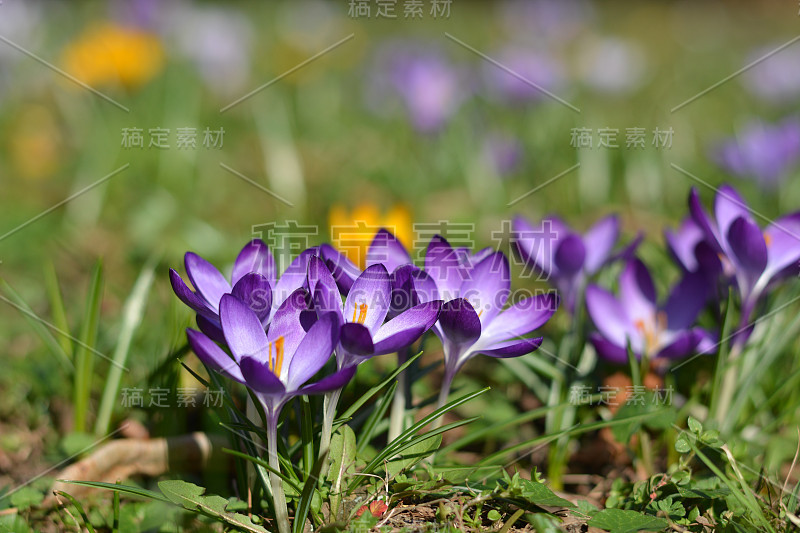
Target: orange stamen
<point>278,356</point>
<point>362,313</point>
<point>768,238</point>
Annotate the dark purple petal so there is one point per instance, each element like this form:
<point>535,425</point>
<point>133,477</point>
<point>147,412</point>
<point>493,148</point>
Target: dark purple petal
<point>213,356</point>
<point>513,348</point>
<point>681,345</point>
<point>608,350</point>
<point>570,255</point>
<point>783,244</point>
<point>406,328</point>
<point>335,381</point>
<point>185,294</point>
<point>255,291</point>
<point>372,289</point>
<point>600,241</point>
<point>344,271</point>
<point>404,293</point>
<point>243,331</point>
<point>522,317</point>
<point>260,378</point>
<point>703,221</point>
<point>682,243</point>
<point>686,301</point>
<point>254,257</point>
<point>609,315</point>
<point>211,328</point>
<point>387,250</point>
<point>749,248</point>
<point>206,279</point>
<point>459,321</point>
<point>314,351</point>
<point>443,265</point>
<point>637,291</point>
<point>708,260</point>
<point>356,339</point>
<point>488,286</point>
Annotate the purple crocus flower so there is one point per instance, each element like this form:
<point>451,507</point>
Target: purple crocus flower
<point>567,259</point>
<point>761,151</point>
<point>472,320</point>
<point>253,281</point>
<point>776,80</point>
<point>636,318</point>
<point>693,253</point>
<point>535,70</point>
<point>275,365</point>
<point>429,87</point>
<point>364,333</point>
<point>756,258</point>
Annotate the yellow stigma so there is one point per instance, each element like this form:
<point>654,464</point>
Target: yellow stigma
<point>361,309</point>
<point>767,239</point>
<point>652,330</point>
<point>276,364</point>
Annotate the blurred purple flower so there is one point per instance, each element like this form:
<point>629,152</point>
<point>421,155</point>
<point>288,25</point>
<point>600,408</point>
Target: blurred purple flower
<point>545,22</point>
<point>777,79</point>
<point>566,258</point>
<point>532,69</point>
<point>762,151</point>
<point>502,153</point>
<point>430,88</point>
<point>635,317</point>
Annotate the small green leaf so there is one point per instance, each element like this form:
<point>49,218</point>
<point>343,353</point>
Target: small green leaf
<point>620,521</point>
<point>343,460</point>
<point>494,515</point>
<point>413,455</point>
<point>191,497</point>
<point>682,446</point>
<point>539,494</point>
<point>26,497</point>
<point>694,425</point>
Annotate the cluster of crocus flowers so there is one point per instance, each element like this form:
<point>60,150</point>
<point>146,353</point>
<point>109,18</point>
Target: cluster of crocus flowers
<point>275,333</point>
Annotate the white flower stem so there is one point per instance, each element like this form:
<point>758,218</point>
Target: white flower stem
<point>278,495</point>
<point>398,414</point>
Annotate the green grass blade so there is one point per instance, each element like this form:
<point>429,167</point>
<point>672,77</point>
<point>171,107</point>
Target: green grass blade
<point>57,311</point>
<point>132,313</point>
<point>84,356</point>
<point>307,435</point>
<point>86,522</point>
<point>367,431</point>
<point>38,326</point>
<point>377,388</point>
<point>260,462</point>
<point>124,489</point>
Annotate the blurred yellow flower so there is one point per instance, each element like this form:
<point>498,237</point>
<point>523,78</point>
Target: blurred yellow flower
<point>113,54</point>
<point>353,231</point>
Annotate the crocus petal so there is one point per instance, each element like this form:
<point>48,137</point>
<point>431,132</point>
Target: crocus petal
<point>609,315</point>
<point>407,327</point>
<point>686,301</point>
<point>243,331</point>
<point>703,221</point>
<point>783,244</point>
<point>570,255</point>
<point>213,356</point>
<point>522,317</point>
<point>728,206</point>
<point>488,286</point>
<point>681,345</point>
<point>600,241</point>
<point>404,293</point>
<point>335,381</point>
<point>254,257</point>
<point>287,322</point>
<point>536,246</point>
<point>373,288</point>
<point>608,350</point>
<point>206,279</point>
<point>260,378</point>
<point>211,328</point>
<point>682,243</point>
<point>443,265</point>
<point>314,351</point>
<point>387,250</point>
<point>459,321</point>
<point>344,271</point>
<point>294,277</point>
<point>323,288</point>
<point>254,290</point>
<point>185,294</point>
<point>356,339</point>
<point>637,291</point>
<point>513,348</point>
<point>749,250</point>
